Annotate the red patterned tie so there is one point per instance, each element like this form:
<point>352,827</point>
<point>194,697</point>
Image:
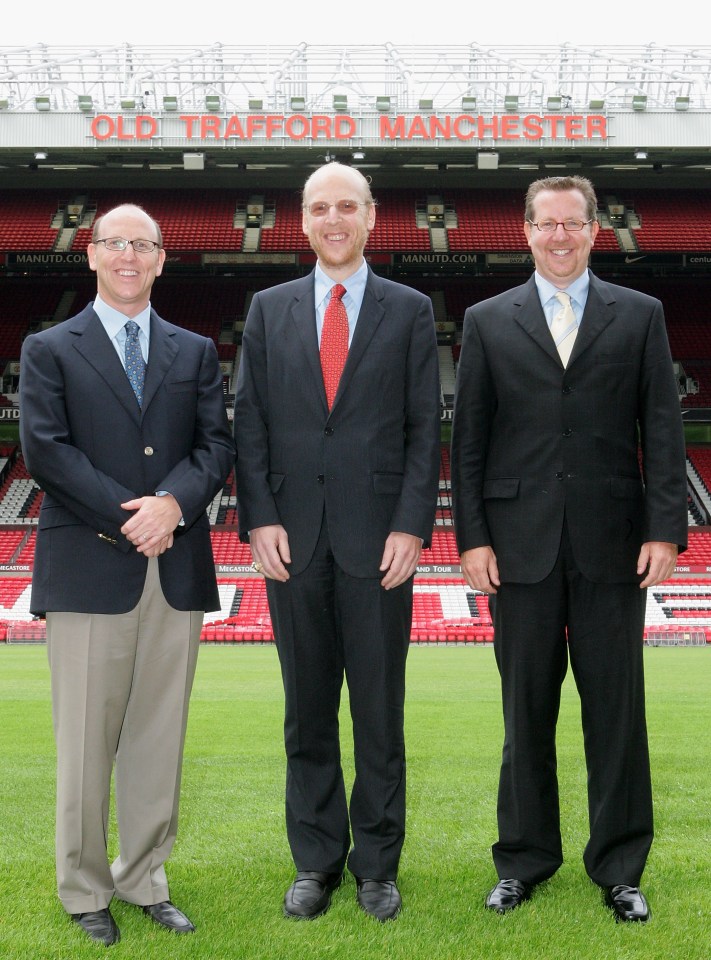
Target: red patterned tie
<point>334,342</point>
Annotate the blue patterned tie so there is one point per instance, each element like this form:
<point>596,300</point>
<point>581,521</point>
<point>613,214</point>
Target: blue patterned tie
<point>135,364</point>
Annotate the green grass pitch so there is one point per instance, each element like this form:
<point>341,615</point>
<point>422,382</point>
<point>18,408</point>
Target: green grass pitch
<point>231,863</point>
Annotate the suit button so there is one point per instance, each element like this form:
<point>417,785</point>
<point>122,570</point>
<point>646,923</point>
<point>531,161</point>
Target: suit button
<point>328,431</point>
<point>567,390</point>
<point>320,478</point>
<point>568,432</point>
<point>559,476</point>
<point>148,451</point>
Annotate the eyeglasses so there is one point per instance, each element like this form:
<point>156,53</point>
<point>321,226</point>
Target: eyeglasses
<point>570,226</point>
<point>346,208</point>
<point>119,244</point>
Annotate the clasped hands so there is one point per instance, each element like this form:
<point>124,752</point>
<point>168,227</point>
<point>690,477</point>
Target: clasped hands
<point>150,528</point>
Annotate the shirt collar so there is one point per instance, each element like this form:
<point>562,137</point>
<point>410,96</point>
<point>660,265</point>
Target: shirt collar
<point>577,290</point>
<point>355,284</point>
<point>114,321</point>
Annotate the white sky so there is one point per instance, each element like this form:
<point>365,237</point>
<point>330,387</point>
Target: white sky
<point>166,22</point>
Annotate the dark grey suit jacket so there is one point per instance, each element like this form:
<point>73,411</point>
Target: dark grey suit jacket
<point>91,448</point>
<point>534,442</point>
<point>373,462</point>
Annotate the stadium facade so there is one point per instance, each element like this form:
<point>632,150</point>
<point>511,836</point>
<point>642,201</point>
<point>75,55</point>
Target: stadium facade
<point>218,140</point>
<point>248,115</point>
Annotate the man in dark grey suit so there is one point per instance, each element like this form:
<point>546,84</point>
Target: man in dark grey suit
<point>560,383</point>
<point>129,456</point>
<point>336,487</point>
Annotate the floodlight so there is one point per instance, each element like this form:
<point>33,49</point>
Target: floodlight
<point>487,161</point>
<point>193,161</point>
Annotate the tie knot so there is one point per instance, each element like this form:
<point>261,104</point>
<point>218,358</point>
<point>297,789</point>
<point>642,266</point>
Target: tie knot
<point>337,291</point>
<point>563,298</point>
<point>131,328</point>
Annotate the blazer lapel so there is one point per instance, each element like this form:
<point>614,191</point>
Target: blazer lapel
<point>303,313</point>
<point>93,343</point>
<point>161,354</point>
<point>529,315</point>
<point>599,312</point>
<point>371,313</point>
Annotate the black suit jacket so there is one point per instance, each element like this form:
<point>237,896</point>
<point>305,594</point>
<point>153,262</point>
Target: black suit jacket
<point>91,448</point>
<point>534,442</point>
<point>373,461</point>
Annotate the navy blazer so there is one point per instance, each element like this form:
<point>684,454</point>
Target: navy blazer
<point>534,442</point>
<point>91,448</point>
<point>373,461</point>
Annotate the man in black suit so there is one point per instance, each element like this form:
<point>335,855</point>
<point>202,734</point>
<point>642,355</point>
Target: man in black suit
<point>336,487</point>
<point>560,382</point>
<point>129,456</point>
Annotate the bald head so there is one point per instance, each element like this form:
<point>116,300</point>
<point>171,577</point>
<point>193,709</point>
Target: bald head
<point>361,187</point>
<point>103,222</point>
<point>338,215</point>
<point>125,277</point>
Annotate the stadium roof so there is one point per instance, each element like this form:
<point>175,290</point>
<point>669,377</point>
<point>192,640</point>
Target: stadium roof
<point>119,111</point>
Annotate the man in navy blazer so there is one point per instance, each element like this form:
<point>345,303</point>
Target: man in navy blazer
<point>562,383</point>
<point>123,565</point>
<point>337,504</point>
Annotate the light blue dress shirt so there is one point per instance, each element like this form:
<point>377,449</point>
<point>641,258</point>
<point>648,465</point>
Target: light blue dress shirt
<point>352,298</point>
<point>114,323</point>
<point>577,291</point>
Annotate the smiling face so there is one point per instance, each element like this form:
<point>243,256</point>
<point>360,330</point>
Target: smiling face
<point>338,239</point>
<point>561,256</point>
<point>125,278</point>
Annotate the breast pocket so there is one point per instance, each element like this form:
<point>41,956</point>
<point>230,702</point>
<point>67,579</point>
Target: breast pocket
<point>613,358</point>
<point>181,386</point>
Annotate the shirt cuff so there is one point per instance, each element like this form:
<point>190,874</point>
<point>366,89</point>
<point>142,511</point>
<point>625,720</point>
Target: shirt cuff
<point>164,493</point>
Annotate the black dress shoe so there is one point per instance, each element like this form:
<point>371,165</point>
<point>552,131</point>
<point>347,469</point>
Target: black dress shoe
<point>99,925</point>
<point>628,903</point>
<point>508,894</point>
<point>168,916</point>
<point>310,894</point>
<point>379,898</point>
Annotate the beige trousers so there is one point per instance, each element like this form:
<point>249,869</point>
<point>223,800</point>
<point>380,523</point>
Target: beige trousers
<point>120,691</point>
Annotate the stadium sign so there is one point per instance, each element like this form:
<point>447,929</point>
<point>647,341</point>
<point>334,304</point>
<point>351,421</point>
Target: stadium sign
<point>428,259</point>
<point>275,259</point>
<point>47,259</point>
<point>463,127</point>
<point>509,259</point>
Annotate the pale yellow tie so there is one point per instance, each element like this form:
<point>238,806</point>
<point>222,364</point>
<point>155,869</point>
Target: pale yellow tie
<point>564,328</point>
